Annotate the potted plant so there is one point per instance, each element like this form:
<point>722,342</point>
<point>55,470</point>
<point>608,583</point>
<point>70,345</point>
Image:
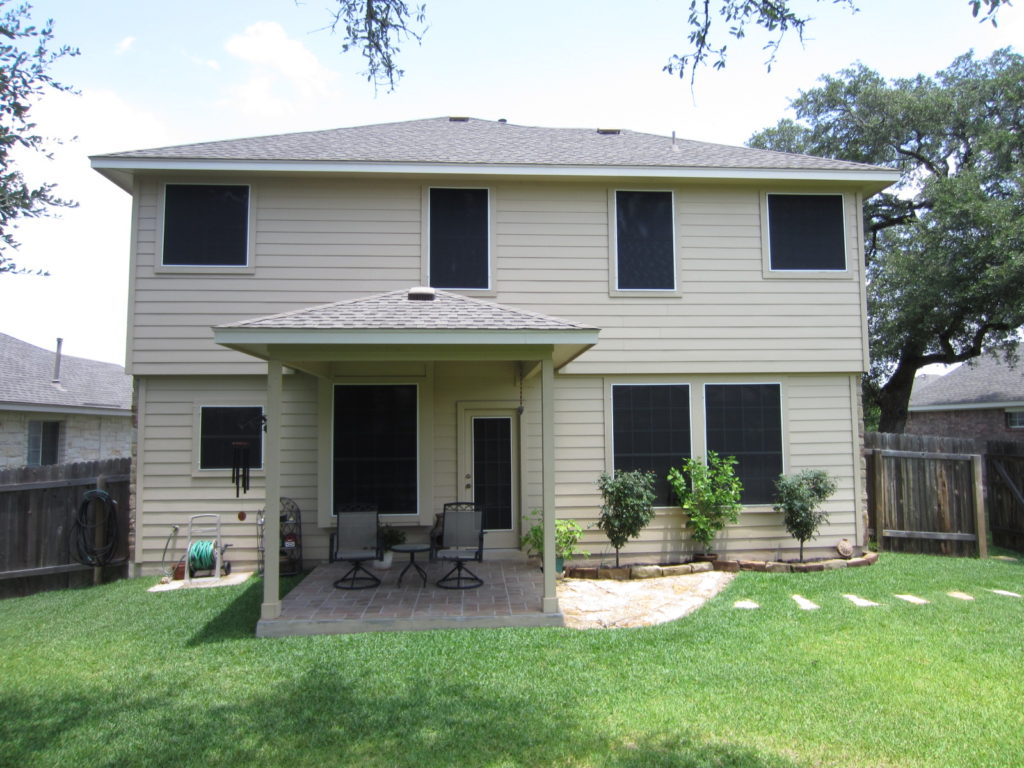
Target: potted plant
<point>389,537</point>
<point>628,505</point>
<point>567,536</point>
<point>709,493</point>
<point>798,498</point>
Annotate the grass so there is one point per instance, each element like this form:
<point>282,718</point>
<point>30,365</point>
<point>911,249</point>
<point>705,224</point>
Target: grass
<point>116,676</point>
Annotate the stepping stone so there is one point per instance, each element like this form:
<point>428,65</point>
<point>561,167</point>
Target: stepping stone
<point>1004,593</point>
<point>805,604</point>
<point>860,602</point>
<point>960,595</point>
<point>912,599</point>
<point>747,605</point>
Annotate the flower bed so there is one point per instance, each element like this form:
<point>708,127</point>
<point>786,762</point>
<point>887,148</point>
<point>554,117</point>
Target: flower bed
<point>767,566</point>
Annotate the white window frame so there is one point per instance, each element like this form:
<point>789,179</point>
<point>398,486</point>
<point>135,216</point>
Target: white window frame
<point>1015,418</point>
<point>425,270</point>
<point>197,442</point>
<point>34,454</point>
<point>828,274</point>
<point>613,229</point>
<point>250,241</point>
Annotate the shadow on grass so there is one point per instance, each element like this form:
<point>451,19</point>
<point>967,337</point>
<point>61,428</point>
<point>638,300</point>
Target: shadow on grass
<point>238,620</point>
<point>322,718</point>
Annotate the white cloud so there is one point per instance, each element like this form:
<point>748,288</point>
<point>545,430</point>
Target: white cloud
<point>124,45</point>
<point>285,77</point>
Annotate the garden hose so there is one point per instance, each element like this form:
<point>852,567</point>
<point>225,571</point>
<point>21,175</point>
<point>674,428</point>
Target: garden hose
<point>201,555</point>
<point>83,534</point>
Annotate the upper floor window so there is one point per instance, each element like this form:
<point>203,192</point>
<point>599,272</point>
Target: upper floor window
<point>459,238</point>
<point>229,432</point>
<point>206,225</point>
<point>1015,419</point>
<point>651,431</point>
<point>43,443</point>
<point>806,232</point>
<point>745,421</point>
<point>644,241</point>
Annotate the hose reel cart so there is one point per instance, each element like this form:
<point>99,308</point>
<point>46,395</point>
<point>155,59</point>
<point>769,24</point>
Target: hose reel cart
<point>204,553</point>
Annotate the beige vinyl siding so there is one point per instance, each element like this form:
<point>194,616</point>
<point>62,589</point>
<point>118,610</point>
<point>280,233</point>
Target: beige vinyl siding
<point>322,240</point>
<point>172,488</point>
<point>818,432</point>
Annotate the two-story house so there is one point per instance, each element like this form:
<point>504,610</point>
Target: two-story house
<point>600,299</point>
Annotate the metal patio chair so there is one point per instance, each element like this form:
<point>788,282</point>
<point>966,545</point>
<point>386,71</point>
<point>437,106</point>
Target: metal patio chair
<point>463,541</point>
<point>356,541</point>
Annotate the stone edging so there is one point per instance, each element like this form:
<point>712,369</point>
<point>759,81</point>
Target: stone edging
<point>732,566</point>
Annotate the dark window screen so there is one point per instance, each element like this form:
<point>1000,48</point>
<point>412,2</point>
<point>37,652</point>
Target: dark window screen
<point>206,225</point>
<point>651,431</point>
<point>644,240</point>
<point>375,446</point>
<point>492,470</point>
<point>458,238</point>
<point>222,426</point>
<point>806,232</point>
<point>745,421</point>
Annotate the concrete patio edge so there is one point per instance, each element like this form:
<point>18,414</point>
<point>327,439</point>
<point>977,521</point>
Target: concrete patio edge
<point>285,627</point>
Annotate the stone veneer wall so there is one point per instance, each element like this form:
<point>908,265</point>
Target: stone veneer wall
<point>83,437</point>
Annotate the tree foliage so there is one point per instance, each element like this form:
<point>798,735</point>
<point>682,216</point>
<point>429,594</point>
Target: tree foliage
<point>376,28</point>
<point>713,22</point>
<point>709,493</point>
<point>628,505</point>
<point>799,498</point>
<point>945,246</point>
<point>26,54</point>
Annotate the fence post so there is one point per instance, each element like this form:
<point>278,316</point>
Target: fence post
<point>100,531</point>
<point>879,483</point>
<point>981,530</point>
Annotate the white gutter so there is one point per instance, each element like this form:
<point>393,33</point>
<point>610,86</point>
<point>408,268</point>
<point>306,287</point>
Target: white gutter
<point>82,410</point>
<point>128,164</point>
<point>228,336</point>
<point>966,406</point>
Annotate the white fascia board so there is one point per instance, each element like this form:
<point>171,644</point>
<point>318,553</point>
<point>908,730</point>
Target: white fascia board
<point>348,336</point>
<point>966,406</point>
<point>113,164</point>
<point>82,410</point>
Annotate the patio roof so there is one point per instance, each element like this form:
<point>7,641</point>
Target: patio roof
<point>419,323</point>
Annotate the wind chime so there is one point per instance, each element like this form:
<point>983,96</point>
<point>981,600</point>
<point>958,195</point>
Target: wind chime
<point>241,455</point>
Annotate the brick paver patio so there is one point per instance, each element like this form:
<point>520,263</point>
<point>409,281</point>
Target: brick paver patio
<point>510,596</point>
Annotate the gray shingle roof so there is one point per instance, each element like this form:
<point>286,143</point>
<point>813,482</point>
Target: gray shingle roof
<point>987,379</point>
<point>473,141</point>
<point>395,311</point>
<point>26,373</point>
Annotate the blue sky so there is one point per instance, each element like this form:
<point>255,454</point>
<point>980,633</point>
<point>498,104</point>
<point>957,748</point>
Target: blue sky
<point>153,74</point>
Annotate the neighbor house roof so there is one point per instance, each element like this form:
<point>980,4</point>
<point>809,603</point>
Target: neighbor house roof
<point>470,145</point>
<point>27,381</point>
<point>985,382</point>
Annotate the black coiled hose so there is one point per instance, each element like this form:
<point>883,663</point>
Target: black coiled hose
<point>84,547</point>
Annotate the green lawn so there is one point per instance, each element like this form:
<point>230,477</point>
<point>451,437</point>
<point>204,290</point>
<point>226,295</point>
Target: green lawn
<point>114,676</point>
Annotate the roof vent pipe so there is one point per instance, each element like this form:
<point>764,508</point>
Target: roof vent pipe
<point>609,131</point>
<point>421,293</point>
<point>56,361</point>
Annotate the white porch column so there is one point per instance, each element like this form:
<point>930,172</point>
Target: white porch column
<point>547,395</point>
<point>271,607</point>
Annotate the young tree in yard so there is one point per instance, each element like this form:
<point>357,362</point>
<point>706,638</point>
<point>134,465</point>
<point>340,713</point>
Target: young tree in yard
<point>945,246</point>
<point>628,505</point>
<point>25,59</point>
<point>798,497</point>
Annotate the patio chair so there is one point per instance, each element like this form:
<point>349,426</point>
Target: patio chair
<point>356,541</point>
<point>463,537</point>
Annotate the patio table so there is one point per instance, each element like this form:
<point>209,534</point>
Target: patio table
<point>412,549</point>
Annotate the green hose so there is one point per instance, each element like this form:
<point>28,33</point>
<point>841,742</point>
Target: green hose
<point>201,555</point>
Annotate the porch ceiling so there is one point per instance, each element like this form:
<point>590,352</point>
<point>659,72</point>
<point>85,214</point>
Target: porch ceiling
<point>415,325</point>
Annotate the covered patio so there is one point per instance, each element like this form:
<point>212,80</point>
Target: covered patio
<point>511,596</point>
<point>431,329</point>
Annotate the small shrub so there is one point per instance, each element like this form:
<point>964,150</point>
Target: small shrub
<point>567,536</point>
<point>709,493</point>
<point>628,505</point>
<point>390,536</point>
<point>798,498</point>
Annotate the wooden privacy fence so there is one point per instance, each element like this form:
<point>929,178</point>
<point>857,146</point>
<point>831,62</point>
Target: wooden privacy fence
<point>37,508</point>
<point>1004,466</point>
<point>926,494</point>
